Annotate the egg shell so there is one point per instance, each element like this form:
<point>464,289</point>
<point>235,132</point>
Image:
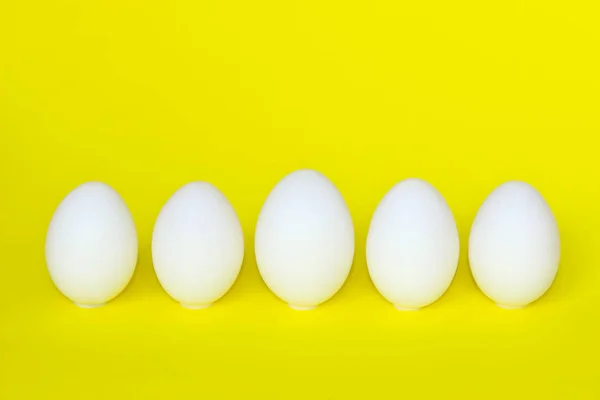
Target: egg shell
<point>304,239</point>
<point>514,245</point>
<point>91,245</point>
<point>197,245</point>
<point>412,245</point>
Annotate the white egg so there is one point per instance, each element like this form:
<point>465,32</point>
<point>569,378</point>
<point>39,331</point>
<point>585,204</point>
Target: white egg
<point>91,245</point>
<point>304,239</point>
<point>514,246</point>
<point>412,245</point>
<point>197,245</point>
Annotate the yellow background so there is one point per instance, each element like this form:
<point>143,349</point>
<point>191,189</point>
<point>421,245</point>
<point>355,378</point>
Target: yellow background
<point>148,95</point>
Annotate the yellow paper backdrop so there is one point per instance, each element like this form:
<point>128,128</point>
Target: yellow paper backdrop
<point>149,95</point>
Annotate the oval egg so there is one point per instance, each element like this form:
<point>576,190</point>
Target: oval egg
<point>91,245</point>
<point>304,239</point>
<point>197,245</point>
<point>514,245</point>
<point>412,245</point>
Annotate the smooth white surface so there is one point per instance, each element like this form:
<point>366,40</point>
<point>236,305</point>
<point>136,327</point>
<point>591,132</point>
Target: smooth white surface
<point>91,245</point>
<point>197,245</point>
<point>304,239</point>
<point>514,245</point>
<point>412,245</point>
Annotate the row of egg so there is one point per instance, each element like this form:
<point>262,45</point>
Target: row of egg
<point>304,244</point>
